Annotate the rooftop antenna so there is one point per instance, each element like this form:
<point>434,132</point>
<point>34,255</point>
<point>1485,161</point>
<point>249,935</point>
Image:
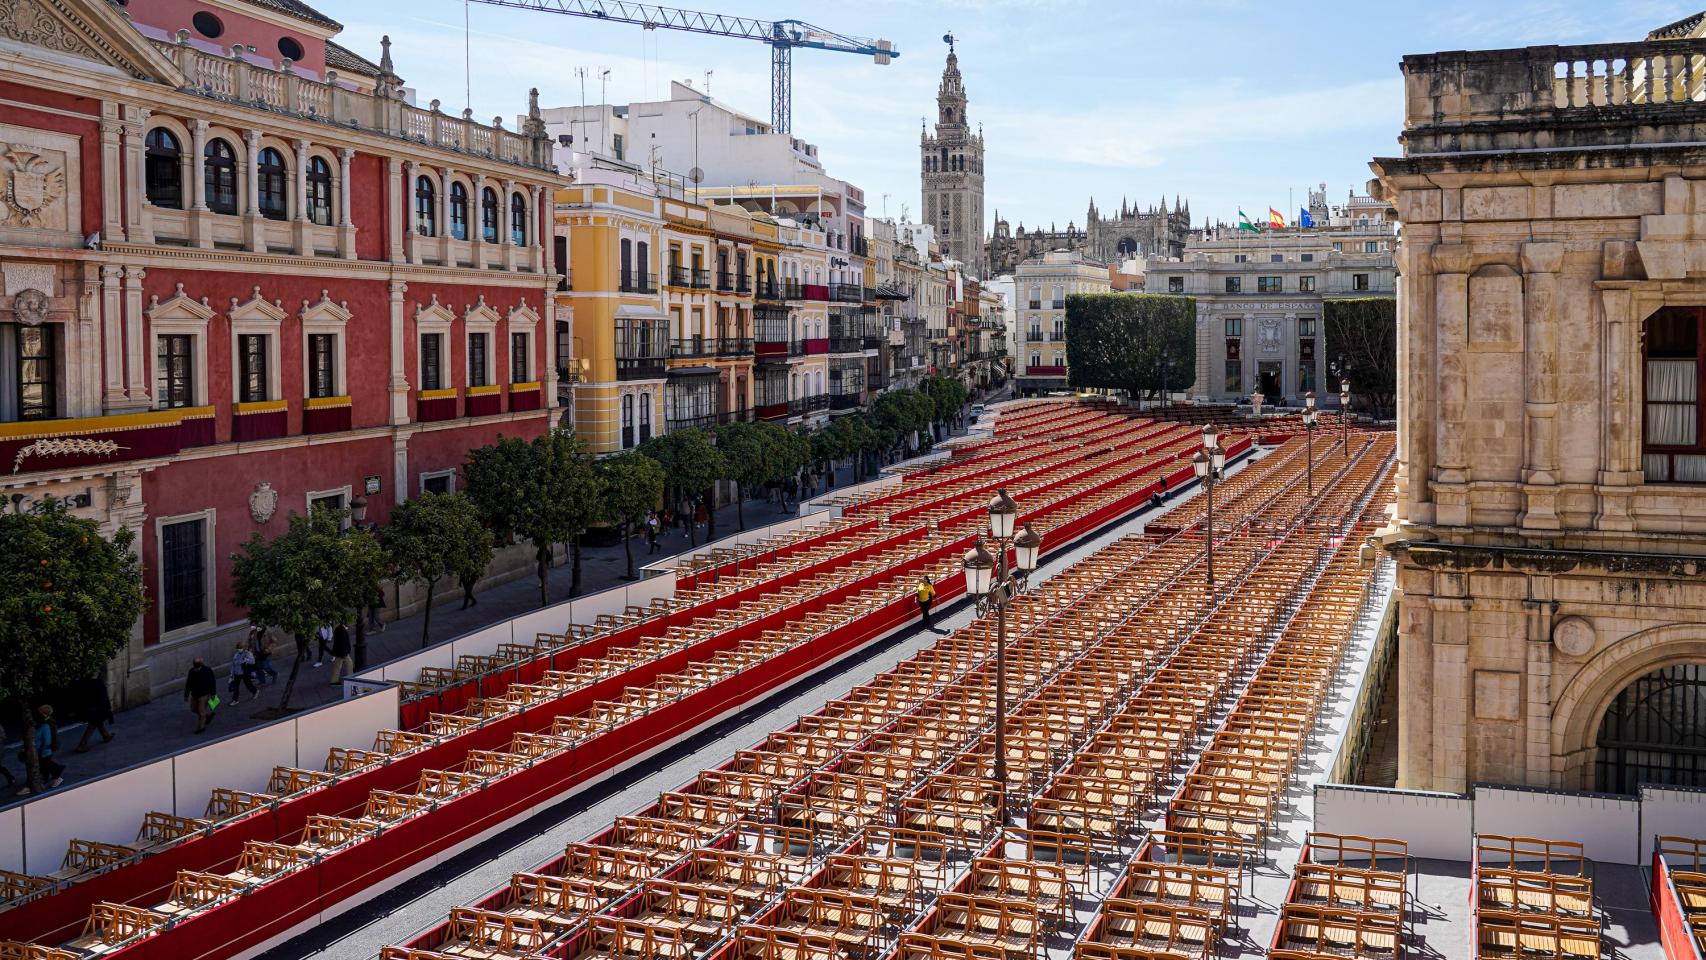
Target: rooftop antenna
<point>467,60</point>
<point>708,82</point>
<point>581,117</point>
<point>603,105</point>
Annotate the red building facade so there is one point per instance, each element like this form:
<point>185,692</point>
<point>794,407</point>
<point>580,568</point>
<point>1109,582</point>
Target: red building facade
<point>242,275</point>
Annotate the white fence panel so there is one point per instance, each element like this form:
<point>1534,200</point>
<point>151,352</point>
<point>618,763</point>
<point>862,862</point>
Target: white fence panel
<point>641,593</point>
<point>1671,812</point>
<point>1435,825</point>
<point>409,668</point>
<point>350,723</point>
<point>12,840</point>
<point>1609,828</point>
<point>109,810</point>
<point>242,762</point>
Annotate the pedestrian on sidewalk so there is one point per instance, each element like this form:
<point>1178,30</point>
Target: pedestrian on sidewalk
<point>342,665</point>
<point>200,690</point>
<point>374,607</point>
<point>91,693</point>
<point>324,634</point>
<point>469,581</point>
<point>261,645</point>
<point>652,533</point>
<point>700,517</point>
<point>242,673</point>
<point>926,596</point>
<point>47,741</point>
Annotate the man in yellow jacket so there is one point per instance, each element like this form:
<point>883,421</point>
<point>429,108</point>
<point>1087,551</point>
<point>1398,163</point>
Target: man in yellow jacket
<point>926,596</point>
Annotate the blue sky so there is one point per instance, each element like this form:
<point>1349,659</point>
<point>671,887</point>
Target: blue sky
<point>1228,103</point>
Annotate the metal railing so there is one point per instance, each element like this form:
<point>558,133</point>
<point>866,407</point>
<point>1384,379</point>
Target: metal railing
<point>692,347</point>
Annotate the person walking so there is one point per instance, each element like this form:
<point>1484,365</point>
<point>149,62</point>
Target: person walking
<point>261,645</point>
<point>201,691</point>
<point>469,581</point>
<point>374,607</point>
<point>47,741</point>
<point>652,533</point>
<point>91,692</point>
<point>926,596</point>
<point>324,634</point>
<point>242,673</point>
<point>342,665</point>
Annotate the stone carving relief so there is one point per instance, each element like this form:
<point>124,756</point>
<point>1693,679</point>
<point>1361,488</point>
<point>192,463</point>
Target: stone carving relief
<point>1573,636</point>
<point>27,21</point>
<point>29,307</point>
<point>34,185</point>
<point>1268,334</point>
<point>263,502</point>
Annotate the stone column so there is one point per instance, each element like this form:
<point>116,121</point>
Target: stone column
<point>254,231</point>
<point>444,257</point>
<point>112,336</point>
<point>476,223</point>
<point>346,226</point>
<point>503,224</point>
<point>302,242</point>
<point>411,233</point>
<point>201,222</point>
<point>399,356</point>
<point>1451,380</point>
<point>1540,263</point>
<point>135,212</point>
<point>1451,700</point>
<point>397,216</point>
<point>544,222</point>
<point>136,350</point>
<point>1621,386</point>
<point>112,175</point>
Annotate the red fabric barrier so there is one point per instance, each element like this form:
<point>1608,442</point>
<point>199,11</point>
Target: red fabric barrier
<point>1674,936</point>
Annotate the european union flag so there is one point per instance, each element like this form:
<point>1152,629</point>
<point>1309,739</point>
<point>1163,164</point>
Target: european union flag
<point>1303,218</point>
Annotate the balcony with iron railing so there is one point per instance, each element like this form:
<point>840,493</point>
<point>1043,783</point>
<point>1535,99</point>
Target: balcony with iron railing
<point>639,281</point>
<point>811,404</point>
<point>743,283</point>
<point>639,366</point>
<point>1057,336</point>
<point>846,345</point>
<point>692,348</point>
<point>845,401</point>
<point>734,347</point>
<point>847,292</point>
<point>1057,304</point>
<point>792,290</point>
<point>1033,336</point>
<point>678,276</point>
<point>700,278</point>
<point>767,290</point>
<point>725,281</point>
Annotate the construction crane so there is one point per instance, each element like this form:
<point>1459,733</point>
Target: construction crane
<point>782,36</point>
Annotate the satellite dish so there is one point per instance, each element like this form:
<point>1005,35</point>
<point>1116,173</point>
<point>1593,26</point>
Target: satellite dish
<point>695,174</point>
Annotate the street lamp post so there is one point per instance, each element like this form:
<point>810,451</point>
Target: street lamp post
<point>994,584</point>
<point>1210,467</point>
<point>1345,411</point>
<point>1309,416</point>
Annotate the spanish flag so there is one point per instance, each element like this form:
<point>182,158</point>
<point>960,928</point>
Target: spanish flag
<point>1275,220</point>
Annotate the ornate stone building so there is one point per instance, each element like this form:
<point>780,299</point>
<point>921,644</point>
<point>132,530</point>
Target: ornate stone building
<point>1551,519</point>
<point>245,276</point>
<point>1156,232</point>
<point>952,171</point>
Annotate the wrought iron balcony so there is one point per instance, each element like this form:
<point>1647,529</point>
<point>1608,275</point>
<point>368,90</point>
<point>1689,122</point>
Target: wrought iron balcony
<point>692,348</point>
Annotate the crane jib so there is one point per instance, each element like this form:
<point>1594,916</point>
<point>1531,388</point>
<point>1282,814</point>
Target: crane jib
<point>781,35</point>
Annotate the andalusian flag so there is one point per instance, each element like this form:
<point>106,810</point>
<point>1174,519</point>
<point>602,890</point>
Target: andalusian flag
<point>1244,222</point>
<point>1275,220</point>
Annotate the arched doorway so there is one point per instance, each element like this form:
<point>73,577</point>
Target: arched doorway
<point>1654,731</point>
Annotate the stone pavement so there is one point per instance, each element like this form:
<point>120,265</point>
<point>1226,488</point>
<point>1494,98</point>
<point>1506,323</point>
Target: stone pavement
<point>165,725</point>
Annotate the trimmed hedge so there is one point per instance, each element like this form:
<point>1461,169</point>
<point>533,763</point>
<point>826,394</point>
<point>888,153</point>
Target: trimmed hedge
<point>1118,341</point>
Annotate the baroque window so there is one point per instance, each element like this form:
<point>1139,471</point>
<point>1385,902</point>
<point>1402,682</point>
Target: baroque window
<point>164,169</point>
<point>272,178</point>
<point>219,170</point>
<point>320,191</point>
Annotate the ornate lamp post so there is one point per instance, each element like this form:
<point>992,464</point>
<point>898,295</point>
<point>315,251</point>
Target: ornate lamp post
<point>1309,416</point>
<point>1210,467</point>
<point>1345,411</point>
<point>990,579</point>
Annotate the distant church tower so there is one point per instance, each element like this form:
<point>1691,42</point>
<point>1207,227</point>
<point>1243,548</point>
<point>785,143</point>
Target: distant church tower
<point>952,172</point>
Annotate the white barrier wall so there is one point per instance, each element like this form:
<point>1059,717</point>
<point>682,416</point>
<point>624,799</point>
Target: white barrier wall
<point>1437,826</point>
<point>1443,826</point>
<point>33,836</point>
<point>1670,812</point>
<point>1609,828</point>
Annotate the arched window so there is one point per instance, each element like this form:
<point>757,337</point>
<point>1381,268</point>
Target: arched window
<point>320,191</point>
<point>219,169</point>
<point>1653,732</point>
<point>164,169</point>
<point>458,211</point>
<point>426,207</point>
<point>489,215</point>
<point>274,200</point>
<point>517,220</point>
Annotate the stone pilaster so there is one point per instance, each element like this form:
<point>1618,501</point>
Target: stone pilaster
<point>135,212</point>
<point>136,350</point>
<point>1540,265</point>
<point>112,174</point>
<point>399,355</point>
<point>1451,382</point>
<point>112,336</point>
<point>201,219</point>
<point>254,230</point>
<point>346,227</point>
<point>301,241</point>
<point>396,213</point>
